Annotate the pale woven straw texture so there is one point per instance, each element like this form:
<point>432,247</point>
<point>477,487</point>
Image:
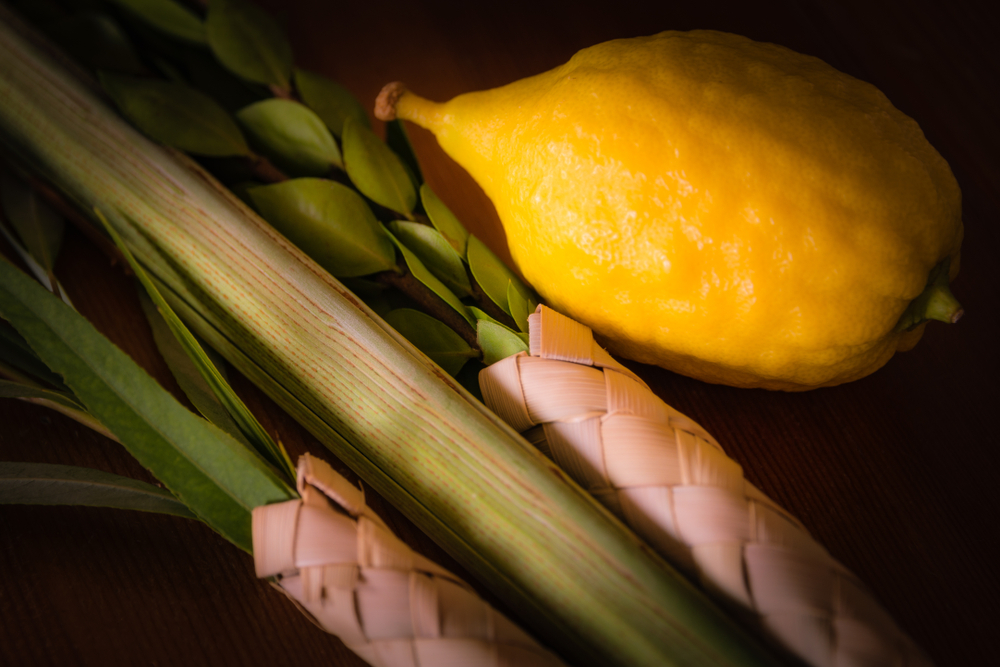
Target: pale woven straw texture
<point>668,479</point>
<point>394,608</point>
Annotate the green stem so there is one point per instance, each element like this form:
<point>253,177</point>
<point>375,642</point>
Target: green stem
<point>936,302</point>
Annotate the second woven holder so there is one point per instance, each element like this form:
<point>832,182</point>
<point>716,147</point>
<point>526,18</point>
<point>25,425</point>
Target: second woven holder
<point>671,482</point>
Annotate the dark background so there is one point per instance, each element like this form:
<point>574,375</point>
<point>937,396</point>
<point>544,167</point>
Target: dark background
<point>894,473</point>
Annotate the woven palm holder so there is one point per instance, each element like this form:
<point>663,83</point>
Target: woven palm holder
<point>671,482</point>
<point>391,606</point>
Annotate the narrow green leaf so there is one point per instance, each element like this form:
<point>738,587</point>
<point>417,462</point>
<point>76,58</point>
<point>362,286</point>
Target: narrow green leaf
<point>421,273</point>
<point>48,279</point>
<point>517,305</point>
<point>491,274</point>
<point>331,101</point>
<point>330,222</point>
<point>432,337</point>
<point>376,171</point>
<point>435,252</point>
<point>176,115</point>
<point>249,426</point>
<point>216,477</point>
<point>97,40</point>
<point>15,352</point>
<point>188,376</point>
<point>167,16</point>
<point>399,141</point>
<point>249,43</point>
<point>444,220</point>
<point>48,484</point>
<point>38,226</point>
<point>292,136</point>
<point>19,390</point>
<point>498,342</point>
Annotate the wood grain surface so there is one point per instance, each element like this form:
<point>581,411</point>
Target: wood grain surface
<point>895,473</point>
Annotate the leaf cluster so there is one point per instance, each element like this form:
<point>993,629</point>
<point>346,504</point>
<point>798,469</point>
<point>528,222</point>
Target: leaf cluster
<point>222,86</point>
<point>216,468</point>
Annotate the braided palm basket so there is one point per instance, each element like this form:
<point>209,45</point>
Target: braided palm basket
<point>394,608</point>
<point>671,482</point>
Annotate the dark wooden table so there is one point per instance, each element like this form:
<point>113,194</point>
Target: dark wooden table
<point>895,474</point>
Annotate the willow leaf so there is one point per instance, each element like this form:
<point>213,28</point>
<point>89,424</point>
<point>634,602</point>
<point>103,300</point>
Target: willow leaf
<point>432,337</point>
<point>249,43</point>
<point>331,222</point>
<point>435,252</point>
<point>187,374</point>
<point>39,228</point>
<point>17,354</point>
<point>332,102</point>
<point>48,484</point>
<point>292,136</point>
<point>166,16</point>
<point>245,421</point>
<point>421,273</point>
<point>444,220</point>
<point>176,115</point>
<point>376,171</point>
<point>498,342</point>
<point>216,477</point>
<point>19,390</point>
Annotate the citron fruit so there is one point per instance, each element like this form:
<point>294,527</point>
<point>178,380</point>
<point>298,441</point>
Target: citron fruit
<point>724,208</point>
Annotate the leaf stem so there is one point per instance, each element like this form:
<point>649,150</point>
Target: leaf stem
<point>429,302</point>
<point>265,171</point>
<point>486,304</point>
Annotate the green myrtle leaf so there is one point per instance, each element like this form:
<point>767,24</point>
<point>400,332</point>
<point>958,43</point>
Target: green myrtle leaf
<point>249,43</point>
<point>48,484</point>
<point>399,141</point>
<point>435,252</point>
<point>421,273</point>
<point>176,115</point>
<point>380,298</point>
<point>38,226</point>
<point>292,136</point>
<point>98,41</point>
<point>444,220</point>
<point>166,16</point>
<point>432,337</point>
<point>331,101</point>
<point>330,222</point>
<point>376,171</point>
<point>498,342</point>
<point>206,74</point>
<point>18,390</point>
<point>491,274</point>
<point>517,305</point>
<point>482,315</point>
<point>219,479</point>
